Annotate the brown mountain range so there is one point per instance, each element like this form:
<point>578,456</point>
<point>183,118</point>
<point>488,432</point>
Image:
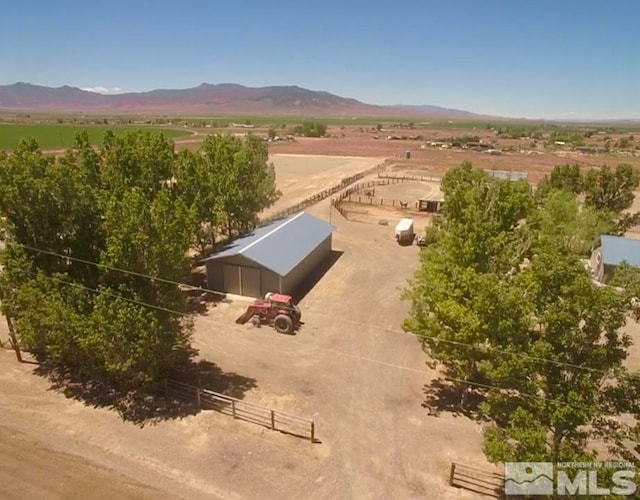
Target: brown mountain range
<point>207,99</point>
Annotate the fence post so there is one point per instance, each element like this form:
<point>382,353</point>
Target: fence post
<point>233,408</point>
<point>198,397</point>
<point>381,201</point>
<point>166,389</point>
<point>273,420</point>
<point>313,432</point>
<point>452,473</point>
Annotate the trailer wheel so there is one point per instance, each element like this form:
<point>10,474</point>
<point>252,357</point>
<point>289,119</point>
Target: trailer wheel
<point>283,324</point>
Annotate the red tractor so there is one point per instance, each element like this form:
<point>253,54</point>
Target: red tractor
<point>277,310</point>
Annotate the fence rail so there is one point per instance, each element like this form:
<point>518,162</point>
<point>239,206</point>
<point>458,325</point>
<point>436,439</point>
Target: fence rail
<point>410,177</point>
<point>276,420</point>
<point>479,481</point>
<point>313,199</point>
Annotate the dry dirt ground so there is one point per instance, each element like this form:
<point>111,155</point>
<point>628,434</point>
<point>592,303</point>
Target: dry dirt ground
<point>350,367</point>
<point>296,183</point>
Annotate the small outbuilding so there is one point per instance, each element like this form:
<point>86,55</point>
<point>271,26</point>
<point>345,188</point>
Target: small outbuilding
<point>276,257</point>
<point>431,204</point>
<point>613,251</point>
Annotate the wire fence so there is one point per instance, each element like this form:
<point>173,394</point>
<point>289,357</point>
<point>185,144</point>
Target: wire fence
<point>275,420</point>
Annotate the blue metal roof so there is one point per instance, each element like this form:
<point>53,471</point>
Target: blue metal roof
<point>616,249</point>
<point>279,245</point>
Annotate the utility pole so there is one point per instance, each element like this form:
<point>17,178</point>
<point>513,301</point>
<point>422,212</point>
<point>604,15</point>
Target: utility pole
<point>13,339</point>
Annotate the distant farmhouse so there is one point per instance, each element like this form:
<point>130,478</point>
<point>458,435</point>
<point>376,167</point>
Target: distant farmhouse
<point>613,251</point>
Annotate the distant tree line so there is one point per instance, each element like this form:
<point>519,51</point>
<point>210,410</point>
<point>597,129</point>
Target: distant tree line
<point>310,129</point>
<point>133,204</point>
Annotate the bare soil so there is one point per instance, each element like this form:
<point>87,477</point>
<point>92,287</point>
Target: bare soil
<point>350,367</point>
<point>301,176</point>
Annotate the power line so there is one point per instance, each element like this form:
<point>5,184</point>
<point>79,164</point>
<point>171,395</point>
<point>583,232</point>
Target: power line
<point>184,314</point>
<point>343,320</point>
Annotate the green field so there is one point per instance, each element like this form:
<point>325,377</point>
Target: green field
<point>62,136</point>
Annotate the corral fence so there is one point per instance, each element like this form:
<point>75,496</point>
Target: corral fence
<point>275,420</point>
<point>420,178</point>
<point>479,481</point>
<point>312,200</point>
<point>364,194</point>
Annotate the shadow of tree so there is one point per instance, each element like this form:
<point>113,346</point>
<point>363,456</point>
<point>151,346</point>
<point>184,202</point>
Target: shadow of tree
<point>147,405</point>
<point>443,396</point>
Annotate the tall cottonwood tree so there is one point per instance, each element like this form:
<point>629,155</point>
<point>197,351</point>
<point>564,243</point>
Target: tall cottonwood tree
<point>72,224</point>
<point>522,321</point>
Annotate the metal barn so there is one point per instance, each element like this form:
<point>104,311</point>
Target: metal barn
<point>275,257</point>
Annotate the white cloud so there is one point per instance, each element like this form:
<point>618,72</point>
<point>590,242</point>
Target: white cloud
<point>103,90</point>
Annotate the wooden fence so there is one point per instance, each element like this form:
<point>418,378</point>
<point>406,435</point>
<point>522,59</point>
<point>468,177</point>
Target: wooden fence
<point>242,410</point>
<point>410,177</point>
<point>354,195</point>
<point>479,481</point>
<point>312,200</point>
<point>381,202</point>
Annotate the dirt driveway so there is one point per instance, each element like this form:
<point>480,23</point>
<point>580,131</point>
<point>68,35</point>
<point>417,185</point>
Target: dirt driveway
<point>351,368</point>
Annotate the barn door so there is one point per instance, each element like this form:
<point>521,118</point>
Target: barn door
<point>231,276</point>
<point>251,282</point>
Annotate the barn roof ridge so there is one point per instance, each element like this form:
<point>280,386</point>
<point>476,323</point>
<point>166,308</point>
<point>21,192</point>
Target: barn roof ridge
<point>277,228</point>
<point>279,251</point>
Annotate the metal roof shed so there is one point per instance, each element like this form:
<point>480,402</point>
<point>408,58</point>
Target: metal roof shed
<point>275,257</point>
<point>616,250</point>
<point>613,251</point>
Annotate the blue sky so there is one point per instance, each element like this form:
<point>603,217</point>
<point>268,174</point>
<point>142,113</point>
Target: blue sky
<point>563,59</point>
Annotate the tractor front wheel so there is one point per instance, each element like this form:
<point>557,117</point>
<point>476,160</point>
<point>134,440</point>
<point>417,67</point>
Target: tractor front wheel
<point>283,324</point>
<point>297,312</point>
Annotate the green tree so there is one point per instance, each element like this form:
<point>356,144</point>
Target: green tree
<point>565,177</point>
<point>612,190</point>
<point>562,223</point>
<point>531,333</point>
<point>548,410</point>
<point>311,129</point>
<point>116,208</point>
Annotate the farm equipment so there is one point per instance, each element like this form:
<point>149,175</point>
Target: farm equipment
<point>421,240</point>
<point>276,310</point>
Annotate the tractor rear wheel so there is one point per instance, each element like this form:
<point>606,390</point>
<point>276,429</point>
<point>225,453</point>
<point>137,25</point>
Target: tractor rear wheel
<point>283,324</point>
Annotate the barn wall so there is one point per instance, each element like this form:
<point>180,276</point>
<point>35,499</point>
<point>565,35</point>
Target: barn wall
<point>597,267</point>
<point>215,279</point>
<point>302,270</point>
<point>270,282</point>
<point>236,275</point>
<point>608,271</point>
